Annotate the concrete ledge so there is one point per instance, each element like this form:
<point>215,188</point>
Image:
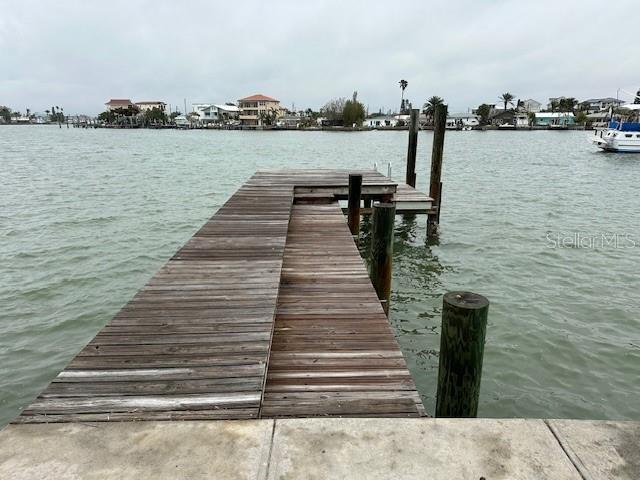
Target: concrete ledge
<point>409,449</point>
<point>136,450</point>
<point>601,449</point>
<point>323,448</point>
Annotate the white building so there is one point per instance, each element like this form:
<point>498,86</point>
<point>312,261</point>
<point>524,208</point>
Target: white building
<point>594,105</point>
<point>531,105</point>
<point>382,121</point>
<point>459,120</point>
<point>215,113</point>
<point>144,106</point>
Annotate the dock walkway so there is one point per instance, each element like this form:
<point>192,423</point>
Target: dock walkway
<point>267,311</point>
<point>333,351</point>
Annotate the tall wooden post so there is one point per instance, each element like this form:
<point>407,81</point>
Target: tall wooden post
<point>413,147</point>
<point>355,189</point>
<point>464,326</point>
<point>380,264</point>
<point>435,184</point>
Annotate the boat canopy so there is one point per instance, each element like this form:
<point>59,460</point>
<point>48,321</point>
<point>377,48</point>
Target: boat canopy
<point>625,126</point>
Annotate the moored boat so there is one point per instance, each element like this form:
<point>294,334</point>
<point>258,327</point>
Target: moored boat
<point>620,136</point>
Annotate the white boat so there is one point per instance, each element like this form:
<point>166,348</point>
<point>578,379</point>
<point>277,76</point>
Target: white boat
<point>620,136</point>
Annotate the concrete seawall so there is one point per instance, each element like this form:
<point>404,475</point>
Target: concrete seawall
<point>321,448</point>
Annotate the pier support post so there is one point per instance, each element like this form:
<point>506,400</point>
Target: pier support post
<point>355,189</point>
<point>464,326</point>
<point>414,126</point>
<point>380,264</point>
<point>435,184</point>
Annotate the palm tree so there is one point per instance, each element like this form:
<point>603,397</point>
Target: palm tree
<point>429,108</point>
<point>403,84</point>
<point>554,105</point>
<point>507,98</point>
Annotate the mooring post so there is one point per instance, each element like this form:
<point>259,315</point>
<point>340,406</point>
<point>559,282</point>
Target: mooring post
<point>414,126</point>
<point>381,260</point>
<point>355,189</point>
<point>435,184</point>
<point>464,326</point>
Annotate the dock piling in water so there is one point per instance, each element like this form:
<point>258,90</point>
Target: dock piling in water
<point>435,184</point>
<point>413,147</point>
<point>355,190</point>
<point>382,251</point>
<point>464,327</point>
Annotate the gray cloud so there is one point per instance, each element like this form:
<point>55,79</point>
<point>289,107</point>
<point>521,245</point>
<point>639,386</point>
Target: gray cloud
<point>78,54</point>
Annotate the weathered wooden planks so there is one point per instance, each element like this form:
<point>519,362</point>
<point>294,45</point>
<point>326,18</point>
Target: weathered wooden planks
<point>195,341</point>
<point>333,351</point>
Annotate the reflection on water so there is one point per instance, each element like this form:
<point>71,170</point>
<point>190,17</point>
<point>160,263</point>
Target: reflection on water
<point>417,274</point>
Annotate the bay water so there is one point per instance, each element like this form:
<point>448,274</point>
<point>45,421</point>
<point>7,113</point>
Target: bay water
<point>540,222</point>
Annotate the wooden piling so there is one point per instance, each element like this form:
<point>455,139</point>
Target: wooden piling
<point>464,326</point>
<point>380,264</point>
<point>355,189</point>
<point>414,126</point>
<point>435,184</point>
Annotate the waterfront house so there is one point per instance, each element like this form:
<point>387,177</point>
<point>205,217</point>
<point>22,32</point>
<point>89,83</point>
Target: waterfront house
<point>227,112</point>
<point>204,112</point>
<point>554,118</point>
<point>595,105</point>
<point>379,121</point>
<point>254,108</point>
<point>509,117</point>
<point>22,119</point>
<point>215,113</point>
<point>459,120</point>
<point>531,105</point>
<point>116,103</point>
<point>150,105</point>
<point>598,119</point>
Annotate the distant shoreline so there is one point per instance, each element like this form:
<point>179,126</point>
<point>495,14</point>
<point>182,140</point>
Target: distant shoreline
<point>302,129</point>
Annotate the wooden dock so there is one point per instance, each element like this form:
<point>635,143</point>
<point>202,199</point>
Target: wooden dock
<point>267,311</point>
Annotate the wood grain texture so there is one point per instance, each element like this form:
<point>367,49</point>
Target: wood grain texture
<point>333,352</point>
<point>462,337</point>
<point>195,341</point>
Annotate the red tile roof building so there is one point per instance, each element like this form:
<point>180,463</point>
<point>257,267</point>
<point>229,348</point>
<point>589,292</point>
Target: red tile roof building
<point>116,103</point>
<point>255,108</point>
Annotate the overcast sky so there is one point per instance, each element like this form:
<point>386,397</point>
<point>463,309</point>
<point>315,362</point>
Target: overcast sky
<point>79,54</point>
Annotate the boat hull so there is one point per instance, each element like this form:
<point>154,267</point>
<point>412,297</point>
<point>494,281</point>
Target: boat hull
<point>618,141</point>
